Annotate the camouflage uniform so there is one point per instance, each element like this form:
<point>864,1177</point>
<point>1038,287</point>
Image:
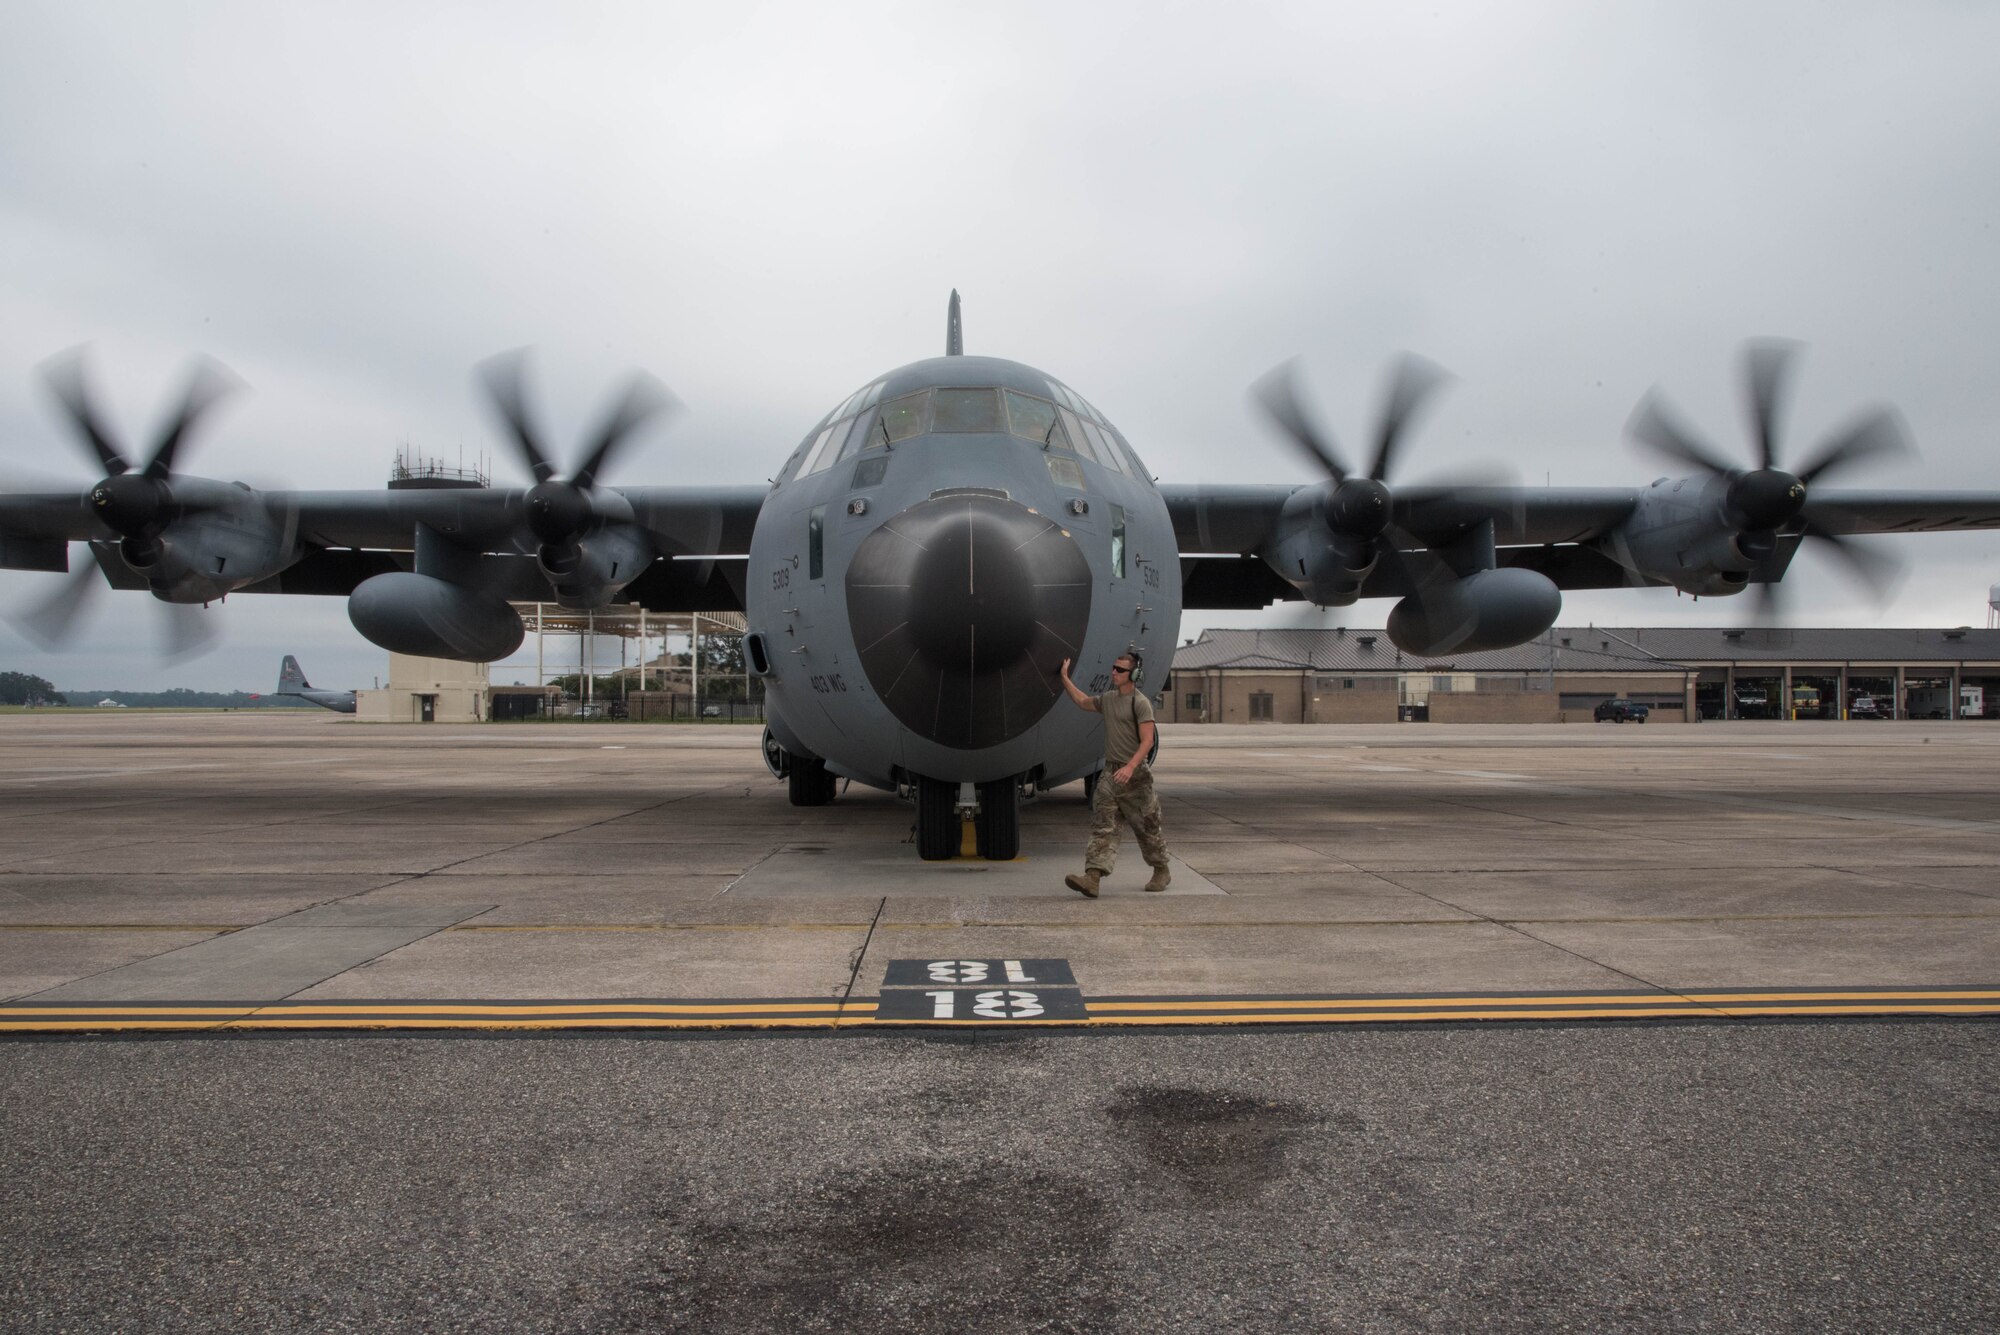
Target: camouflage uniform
<point>1140,806</point>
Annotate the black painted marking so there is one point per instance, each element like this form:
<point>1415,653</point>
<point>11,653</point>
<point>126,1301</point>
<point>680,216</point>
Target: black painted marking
<point>979,973</point>
<point>982,1005</point>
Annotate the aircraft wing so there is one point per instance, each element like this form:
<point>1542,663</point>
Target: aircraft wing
<point>1219,528</point>
<point>346,537</point>
<point>1553,530</point>
<point>1847,512</point>
<point>1241,518</point>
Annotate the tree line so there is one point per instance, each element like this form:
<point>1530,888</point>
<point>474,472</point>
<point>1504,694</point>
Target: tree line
<point>24,688</point>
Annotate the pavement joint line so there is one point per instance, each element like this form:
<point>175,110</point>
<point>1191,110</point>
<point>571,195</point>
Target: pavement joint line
<point>861,952</point>
<point>1522,931</point>
<point>666,927</point>
<point>220,928</point>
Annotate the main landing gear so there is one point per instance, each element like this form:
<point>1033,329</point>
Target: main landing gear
<point>941,820</point>
<point>807,779</point>
<point>810,781</point>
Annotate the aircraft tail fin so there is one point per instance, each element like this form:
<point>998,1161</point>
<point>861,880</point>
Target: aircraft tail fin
<point>291,679</point>
<point>954,338</point>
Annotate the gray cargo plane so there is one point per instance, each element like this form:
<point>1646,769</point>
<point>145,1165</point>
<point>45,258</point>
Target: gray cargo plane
<point>945,537</point>
<point>292,681</point>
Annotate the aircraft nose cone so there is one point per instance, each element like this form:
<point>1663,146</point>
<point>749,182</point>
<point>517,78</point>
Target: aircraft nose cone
<point>963,608</point>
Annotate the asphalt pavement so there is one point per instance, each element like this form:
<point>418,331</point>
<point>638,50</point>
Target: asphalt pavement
<point>1789,1176</point>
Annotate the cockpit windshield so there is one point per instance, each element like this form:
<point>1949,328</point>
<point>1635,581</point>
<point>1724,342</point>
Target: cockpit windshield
<point>1066,422</point>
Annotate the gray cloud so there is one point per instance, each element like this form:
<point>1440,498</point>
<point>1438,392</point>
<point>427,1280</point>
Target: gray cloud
<point>766,205</point>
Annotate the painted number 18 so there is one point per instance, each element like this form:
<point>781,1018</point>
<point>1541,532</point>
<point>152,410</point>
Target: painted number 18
<point>1009,1004</point>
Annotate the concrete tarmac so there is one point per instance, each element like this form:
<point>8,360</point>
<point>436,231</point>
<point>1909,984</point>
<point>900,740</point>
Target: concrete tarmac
<point>1596,1169</point>
<point>274,859</point>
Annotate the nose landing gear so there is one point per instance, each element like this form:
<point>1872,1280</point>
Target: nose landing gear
<point>996,819</point>
<point>1000,820</point>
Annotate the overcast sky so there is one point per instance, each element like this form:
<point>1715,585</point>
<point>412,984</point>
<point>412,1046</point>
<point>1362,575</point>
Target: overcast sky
<point>766,205</point>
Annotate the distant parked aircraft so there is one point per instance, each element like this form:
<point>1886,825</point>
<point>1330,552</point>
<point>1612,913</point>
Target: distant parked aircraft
<point>292,681</point>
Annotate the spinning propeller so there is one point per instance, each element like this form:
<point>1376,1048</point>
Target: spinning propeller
<point>1358,506</point>
<point>1761,500</point>
<point>561,511</point>
<point>138,504</point>
<point>1357,509</point>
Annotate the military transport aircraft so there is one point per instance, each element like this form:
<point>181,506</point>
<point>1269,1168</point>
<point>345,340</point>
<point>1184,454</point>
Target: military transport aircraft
<point>943,538</point>
<point>292,681</point>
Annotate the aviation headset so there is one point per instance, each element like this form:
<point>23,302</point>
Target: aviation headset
<point>1138,665</point>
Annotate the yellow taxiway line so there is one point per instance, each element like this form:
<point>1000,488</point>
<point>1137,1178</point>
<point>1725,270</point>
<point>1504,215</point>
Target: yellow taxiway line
<point>1100,1012</point>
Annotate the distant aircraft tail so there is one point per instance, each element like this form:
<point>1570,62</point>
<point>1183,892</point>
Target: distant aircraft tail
<point>291,679</point>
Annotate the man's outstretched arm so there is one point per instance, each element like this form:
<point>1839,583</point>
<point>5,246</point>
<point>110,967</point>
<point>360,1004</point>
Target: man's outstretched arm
<point>1082,701</point>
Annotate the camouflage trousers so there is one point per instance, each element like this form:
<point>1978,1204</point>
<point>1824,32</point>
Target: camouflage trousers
<point>1140,806</point>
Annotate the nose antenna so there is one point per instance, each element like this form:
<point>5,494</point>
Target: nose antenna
<point>954,337</point>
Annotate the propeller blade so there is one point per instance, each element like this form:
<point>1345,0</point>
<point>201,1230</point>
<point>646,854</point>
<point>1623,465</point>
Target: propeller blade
<point>505,377</point>
<point>187,633</point>
<point>1655,425</point>
<point>284,507</point>
<point>1278,395</point>
<point>711,542</point>
<point>1876,570</point>
<point>52,621</point>
<point>1413,382</point>
<point>1421,584</point>
<point>209,382</point>
<point>1766,368</point>
<point>1767,604</point>
<point>1622,548</point>
<point>644,398</point>
<point>1876,433</point>
<point>65,375</point>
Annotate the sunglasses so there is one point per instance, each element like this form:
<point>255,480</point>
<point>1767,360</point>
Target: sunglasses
<point>1116,668</point>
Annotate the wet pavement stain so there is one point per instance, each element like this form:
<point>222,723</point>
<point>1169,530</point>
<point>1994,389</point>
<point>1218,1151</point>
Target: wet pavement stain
<point>918,1247</point>
<point>1219,1145</point>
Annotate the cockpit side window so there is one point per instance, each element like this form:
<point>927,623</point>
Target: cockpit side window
<point>1106,451</point>
<point>965,410</point>
<point>1076,437</point>
<point>857,436</point>
<point>816,453</point>
<point>905,417</point>
<point>1031,419</point>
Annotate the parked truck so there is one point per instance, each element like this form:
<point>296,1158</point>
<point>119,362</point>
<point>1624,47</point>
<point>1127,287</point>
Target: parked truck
<point>1935,702</point>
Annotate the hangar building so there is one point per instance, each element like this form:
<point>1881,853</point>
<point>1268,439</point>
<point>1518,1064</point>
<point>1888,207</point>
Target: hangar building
<point>1684,674</point>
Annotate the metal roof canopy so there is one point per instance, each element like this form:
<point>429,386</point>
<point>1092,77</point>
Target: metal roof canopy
<point>625,620</point>
<point>1591,648</point>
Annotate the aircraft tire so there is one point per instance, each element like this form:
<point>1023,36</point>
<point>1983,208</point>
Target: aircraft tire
<point>810,784</point>
<point>938,832</point>
<point>1000,820</point>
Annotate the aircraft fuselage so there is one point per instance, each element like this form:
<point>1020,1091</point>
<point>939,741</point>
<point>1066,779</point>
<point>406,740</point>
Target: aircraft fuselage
<point>928,557</point>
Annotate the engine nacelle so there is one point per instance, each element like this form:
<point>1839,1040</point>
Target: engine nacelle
<point>590,571</point>
<point>1325,563</point>
<point>1490,609</point>
<point>217,538</point>
<point>415,614</point>
<point>1683,533</point>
